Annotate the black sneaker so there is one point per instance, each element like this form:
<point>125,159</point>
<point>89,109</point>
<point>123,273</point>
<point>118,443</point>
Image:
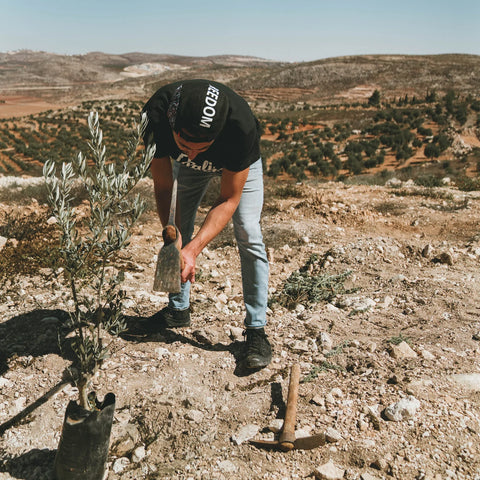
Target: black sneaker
<point>174,318</point>
<point>259,350</point>
<point>165,318</point>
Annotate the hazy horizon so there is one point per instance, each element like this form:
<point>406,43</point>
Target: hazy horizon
<point>274,30</point>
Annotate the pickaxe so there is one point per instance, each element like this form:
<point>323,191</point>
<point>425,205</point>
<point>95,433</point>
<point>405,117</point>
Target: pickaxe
<point>287,441</point>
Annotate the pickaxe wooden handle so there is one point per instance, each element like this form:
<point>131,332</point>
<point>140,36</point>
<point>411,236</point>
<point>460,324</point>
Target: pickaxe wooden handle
<point>287,436</point>
<point>287,440</point>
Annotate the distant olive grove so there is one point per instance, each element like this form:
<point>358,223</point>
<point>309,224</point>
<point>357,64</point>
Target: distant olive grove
<point>300,141</point>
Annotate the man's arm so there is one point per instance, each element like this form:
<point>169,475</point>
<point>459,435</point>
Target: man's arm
<point>161,169</point>
<point>231,188</point>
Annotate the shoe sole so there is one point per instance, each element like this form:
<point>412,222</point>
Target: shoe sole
<point>257,363</point>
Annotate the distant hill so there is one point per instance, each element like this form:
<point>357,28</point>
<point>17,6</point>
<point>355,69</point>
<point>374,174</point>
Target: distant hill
<point>70,78</point>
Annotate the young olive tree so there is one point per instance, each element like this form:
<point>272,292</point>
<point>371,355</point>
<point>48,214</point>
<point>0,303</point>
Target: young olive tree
<point>90,247</point>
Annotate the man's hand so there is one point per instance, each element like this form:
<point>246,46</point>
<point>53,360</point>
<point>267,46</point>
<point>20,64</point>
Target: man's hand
<point>189,260</point>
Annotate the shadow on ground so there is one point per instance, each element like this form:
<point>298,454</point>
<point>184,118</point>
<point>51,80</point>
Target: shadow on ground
<point>32,334</point>
<point>33,465</point>
<point>139,330</point>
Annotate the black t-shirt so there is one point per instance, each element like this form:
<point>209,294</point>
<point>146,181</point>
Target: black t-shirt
<point>236,147</point>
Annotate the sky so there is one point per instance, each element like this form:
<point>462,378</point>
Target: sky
<point>293,31</point>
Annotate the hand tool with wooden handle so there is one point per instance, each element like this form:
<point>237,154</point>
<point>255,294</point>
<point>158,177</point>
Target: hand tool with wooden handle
<point>170,260</point>
<point>287,441</point>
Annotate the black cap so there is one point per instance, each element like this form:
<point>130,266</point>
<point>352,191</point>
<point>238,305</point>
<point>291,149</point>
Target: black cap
<point>198,110</point>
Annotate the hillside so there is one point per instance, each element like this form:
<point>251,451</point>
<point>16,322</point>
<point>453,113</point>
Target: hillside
<point>64,79</point>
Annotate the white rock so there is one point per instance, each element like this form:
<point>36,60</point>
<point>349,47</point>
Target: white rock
<point>368,476</point>
<point>139,454</point>
<point>4,382</point>
<point>162,352</point>
<point>402,351</point>
<point>120,464</point>
<point>299,308</point>
<point>194,415</point>
<point>275,425</point>
<point>468,380</point>
<point>300,346</point>
<point>222,298</point>
<point>329,471</point>
<point>227,466</point>
<point>326,341</point>
<point>404,409</point>
<point>393,182</point>
<point>52,221</point>
<point>332,435</point>
<point>235,333</point>
<point>336,392</point>
<point>332,308</point>
<point>318,400</point>
<point>387,301</point>
<point>427,355</point>
<point>357,304</point>
<point>245,433</point>
<point>156,299</point>
<point>303,432</point>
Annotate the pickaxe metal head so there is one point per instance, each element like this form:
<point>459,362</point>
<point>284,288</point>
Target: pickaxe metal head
<point>302,443</point>
<point>287,441</point>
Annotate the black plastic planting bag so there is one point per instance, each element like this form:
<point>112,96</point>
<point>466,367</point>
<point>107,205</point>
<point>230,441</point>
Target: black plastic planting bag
<point>83,449</point>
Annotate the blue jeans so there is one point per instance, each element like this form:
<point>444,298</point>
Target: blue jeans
<point>192,185</point>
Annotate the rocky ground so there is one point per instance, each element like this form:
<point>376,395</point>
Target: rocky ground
<point>389,369</point>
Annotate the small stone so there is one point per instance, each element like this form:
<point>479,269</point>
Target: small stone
<point>235,333</point>
<point>222,298</point>
<point>275,425</point>
<point>387,301</point>
<point>245,433</point>
<point>318,400</point>
<point>336,392</point>
<point>4,382</point>
<point>470,381</point>
<point>120,464</point>
<point>325,341</point>
<point>194,416</point>
<point>139,454</point>
<point>427,251</point>
<point>368,476</point>
<point>124,438</point>
<point>380,464</point>
<point>227,466</point>
<point>300,346</point>
<point>329,471</point>
<point>402,351</point>
<point>426,355</point>
<point>162,352</point>
<point>404,409</point>
<point>329,398</point>
<point>332,435</point>
<point>300,308</point>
